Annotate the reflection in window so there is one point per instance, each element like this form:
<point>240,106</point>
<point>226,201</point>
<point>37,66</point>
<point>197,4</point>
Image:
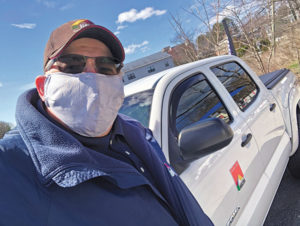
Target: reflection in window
<point>199,102</point>
<point>237,82</point>
<point>138,106</point>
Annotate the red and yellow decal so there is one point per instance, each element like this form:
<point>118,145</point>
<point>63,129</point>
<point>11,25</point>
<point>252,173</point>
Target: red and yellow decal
<point>237,175</point>
<point>78,24</point>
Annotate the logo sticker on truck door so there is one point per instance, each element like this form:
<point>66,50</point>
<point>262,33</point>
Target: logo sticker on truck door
<point>237,175</point>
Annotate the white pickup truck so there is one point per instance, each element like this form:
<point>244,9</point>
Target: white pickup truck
<point>227,132</point>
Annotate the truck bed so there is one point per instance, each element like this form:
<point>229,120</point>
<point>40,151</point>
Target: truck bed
<point>272,78</point>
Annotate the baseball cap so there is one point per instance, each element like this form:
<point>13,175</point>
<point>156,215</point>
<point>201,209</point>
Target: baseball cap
<point>62,37</point>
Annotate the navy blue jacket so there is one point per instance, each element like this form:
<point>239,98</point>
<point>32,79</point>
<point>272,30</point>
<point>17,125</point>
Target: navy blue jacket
<point>49,178</point>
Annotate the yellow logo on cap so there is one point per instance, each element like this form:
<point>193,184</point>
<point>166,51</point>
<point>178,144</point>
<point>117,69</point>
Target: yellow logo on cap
<point>79,24</point>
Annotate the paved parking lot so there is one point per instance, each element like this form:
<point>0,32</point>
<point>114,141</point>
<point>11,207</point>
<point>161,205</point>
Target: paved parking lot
<point>285,209</point>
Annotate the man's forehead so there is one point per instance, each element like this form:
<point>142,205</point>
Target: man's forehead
<point>88,45</point>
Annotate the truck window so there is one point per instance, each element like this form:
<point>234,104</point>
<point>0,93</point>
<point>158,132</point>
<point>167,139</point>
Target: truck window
<point>194,100</point>
<point>138,106</point>
<point>237,82</point>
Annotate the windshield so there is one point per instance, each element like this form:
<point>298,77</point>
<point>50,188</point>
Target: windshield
<point>138,106</point>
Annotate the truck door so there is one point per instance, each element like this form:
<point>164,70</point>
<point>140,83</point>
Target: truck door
<point>257,106</point>
<point>218,179</point>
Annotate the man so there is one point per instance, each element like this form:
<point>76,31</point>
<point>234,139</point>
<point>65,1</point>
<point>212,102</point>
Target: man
<point>72,160</point>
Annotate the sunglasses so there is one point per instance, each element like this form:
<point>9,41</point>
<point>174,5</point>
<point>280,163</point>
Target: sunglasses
<point>74,64</point>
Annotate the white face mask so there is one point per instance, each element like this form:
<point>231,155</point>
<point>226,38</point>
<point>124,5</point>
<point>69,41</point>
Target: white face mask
<point>87,103</point>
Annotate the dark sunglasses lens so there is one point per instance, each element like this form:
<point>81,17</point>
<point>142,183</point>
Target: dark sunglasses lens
<point>107,65</point>
<point>71,63</point>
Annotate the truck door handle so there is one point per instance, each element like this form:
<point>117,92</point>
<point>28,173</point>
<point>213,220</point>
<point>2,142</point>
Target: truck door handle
<point>248,138</point>
<point>272,107</point>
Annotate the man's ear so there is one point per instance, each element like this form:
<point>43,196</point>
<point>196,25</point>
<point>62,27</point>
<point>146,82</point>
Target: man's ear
<point>39,82</point>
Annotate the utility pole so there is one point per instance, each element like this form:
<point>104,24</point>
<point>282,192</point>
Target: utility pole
<point>230,42</point>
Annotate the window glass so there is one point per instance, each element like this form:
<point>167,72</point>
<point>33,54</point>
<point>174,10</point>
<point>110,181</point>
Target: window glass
<point>237,82</point>
<point>138,106</point>
<point>197,101</point>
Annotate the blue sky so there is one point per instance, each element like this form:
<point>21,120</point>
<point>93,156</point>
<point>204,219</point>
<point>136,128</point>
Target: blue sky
<point>141,25</point>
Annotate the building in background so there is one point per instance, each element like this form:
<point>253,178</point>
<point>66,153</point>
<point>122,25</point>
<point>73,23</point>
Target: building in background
<point>147,66</point>
<point>182,53</point>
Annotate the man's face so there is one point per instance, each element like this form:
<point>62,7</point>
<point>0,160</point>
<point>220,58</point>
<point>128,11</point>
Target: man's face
<point>84,46</point>
<point>87,47</point>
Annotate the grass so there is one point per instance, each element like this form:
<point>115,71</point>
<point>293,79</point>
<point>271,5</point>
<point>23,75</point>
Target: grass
<point>294,67</point>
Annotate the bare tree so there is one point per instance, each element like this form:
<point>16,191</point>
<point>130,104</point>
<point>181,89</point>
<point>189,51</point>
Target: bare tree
<point>208,13</point>
<point>251,20</point>
<point>257,27</point>
<point>185,42</point>
<point>294,6</point>
<point>212,36</point>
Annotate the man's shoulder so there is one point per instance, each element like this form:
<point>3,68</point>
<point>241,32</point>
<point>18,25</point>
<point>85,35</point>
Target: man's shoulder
<point>135,129</point>
<point>15,161</point>
<point>13,148</point>
<point>125,118</point>
<point>127,122</point>
<point>11,140</point>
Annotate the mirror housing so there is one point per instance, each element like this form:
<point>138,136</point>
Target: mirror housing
<point>204,137</point>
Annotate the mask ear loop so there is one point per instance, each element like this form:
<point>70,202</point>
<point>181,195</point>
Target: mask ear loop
<point>120,67</point>
<point>49,64</point>
<point>46,82</point>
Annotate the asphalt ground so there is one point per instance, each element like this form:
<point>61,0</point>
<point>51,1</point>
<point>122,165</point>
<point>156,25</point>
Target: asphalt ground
<point>285,209</point>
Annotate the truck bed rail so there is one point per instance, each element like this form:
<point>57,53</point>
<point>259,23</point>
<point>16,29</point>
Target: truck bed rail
<point>272,78</point>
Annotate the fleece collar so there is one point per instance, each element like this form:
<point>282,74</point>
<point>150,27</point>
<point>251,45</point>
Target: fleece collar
<point>56,154</point>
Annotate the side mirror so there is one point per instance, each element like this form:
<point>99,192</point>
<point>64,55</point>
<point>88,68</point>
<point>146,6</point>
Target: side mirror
<point>203,138</point>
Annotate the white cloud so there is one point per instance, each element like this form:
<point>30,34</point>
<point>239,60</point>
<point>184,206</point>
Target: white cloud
<point>225,13</point>
<point>133,47</point>
<point>246,7</point>
<point>24,26</point>
<point>120,27</point>
<point>1,85</point>
<point>66,7</point>
<point>144,49</point>
<point>133,15</point>
<point>48,4</point>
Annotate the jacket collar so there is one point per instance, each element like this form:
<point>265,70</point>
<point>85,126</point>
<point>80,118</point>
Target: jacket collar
<point>56,154</point>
